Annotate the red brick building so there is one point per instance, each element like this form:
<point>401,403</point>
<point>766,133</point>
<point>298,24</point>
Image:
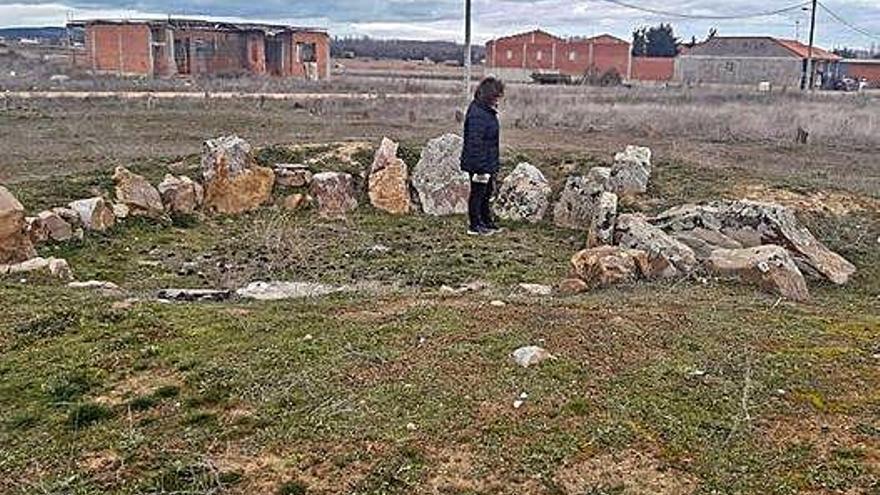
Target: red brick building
<point>193,47</point>
<point>859,69</point>
<point>517,57</point>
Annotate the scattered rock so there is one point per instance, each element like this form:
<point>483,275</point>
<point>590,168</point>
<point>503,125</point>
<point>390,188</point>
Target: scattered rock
<point>94,214</point>
<point>751,223</point>
<point>634,231</point>
<point>180,194</point>
<point>334,192</point>
<point>15,245</point>
<point>462,289</point>
<point>607,265</point>
<point>273,291</point>
<point>704,241</point>
<point>442,187</point>
<point>120,210</point>
<point>137,193</point>
<point>57,228</point>
<point>497,303</point>
<point>55,267</point>
<point>388,186</point>
<point>234,183</point>
<point>631,171</point>
<point>296,201</point>
<point>770,266</point>
<point>67,213</point>
<point>292,175</point>
<point>583,205</point>
<point>35,230</point>
<point>190,295</point>
<point>536,289</point>
<point>571,286</point>
<point>98,285</point>
<point>530,355</point>
<point>524,195</point>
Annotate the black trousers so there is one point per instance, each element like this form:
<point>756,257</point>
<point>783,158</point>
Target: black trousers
<point>479,213</point>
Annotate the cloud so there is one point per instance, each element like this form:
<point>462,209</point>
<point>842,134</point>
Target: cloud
<point>442,19</point>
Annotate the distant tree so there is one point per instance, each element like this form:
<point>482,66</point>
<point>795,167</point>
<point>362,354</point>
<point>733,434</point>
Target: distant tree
<point>845,52</point>
<point>656,41</point>
<point>437,51</point>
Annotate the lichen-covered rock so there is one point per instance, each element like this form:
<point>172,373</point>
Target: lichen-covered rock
<point>631,171</point>
<point>181,194</point>
<point>751,223</point>
<point>137,193</point>
<point>572,286</point>
<point>607,265</point>
<point>634,231</point>
<point>770,266</point>
<point>524,195</point>
<point>584,205</point>
<point>388,184</point>
<point>334,193</point>
<point>15,244</point>
<point>94,213</point>
<point>233,182</point>
<point>442,187</point>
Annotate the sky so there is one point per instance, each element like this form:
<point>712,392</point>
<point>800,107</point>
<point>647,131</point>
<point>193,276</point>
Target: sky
<point>443,19</point>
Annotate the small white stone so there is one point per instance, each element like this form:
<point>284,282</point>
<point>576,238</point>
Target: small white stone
<point>497,303</point>
<point>308,336</point>
<point>523,396</point>
<point>517,404</point>
<point>411,426</point>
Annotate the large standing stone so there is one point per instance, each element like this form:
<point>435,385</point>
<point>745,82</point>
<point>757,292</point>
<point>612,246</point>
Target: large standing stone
<point>524,195</point>
<point>770,266</point>
<point>181,194</point>
<point>388,186</point>
<point>442,187</point>
<point>94,213</point>
<point>631,170</point>
<point>15,245</point>
<point>137,193</point>
<point>606,265</point>
<point>234,183</point>
<point>585,205</point>
<point>334,193</point>
<point>634,231</point>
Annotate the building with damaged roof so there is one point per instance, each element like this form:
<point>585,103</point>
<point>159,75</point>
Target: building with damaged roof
<point>172,47</point>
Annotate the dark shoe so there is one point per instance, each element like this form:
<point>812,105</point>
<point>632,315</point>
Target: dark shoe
<point>479,230</point>
<point>494,228</point>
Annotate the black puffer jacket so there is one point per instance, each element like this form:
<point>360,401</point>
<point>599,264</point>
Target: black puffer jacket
<point>481,135</point>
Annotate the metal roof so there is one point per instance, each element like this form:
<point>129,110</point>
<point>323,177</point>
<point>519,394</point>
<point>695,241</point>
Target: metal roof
<point>183,23</point>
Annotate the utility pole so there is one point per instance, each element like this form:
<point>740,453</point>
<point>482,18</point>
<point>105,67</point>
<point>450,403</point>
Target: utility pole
<point>467,51</point>
<point>810,62</point>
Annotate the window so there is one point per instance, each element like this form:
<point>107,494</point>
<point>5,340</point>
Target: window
<point>729,66</point>
<point>509,54</point>
<point>306,52</point>
<point>572,56</point>
<point>538,55</point>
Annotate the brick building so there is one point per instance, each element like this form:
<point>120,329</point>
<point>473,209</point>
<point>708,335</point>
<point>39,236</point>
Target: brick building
<point>169,47</point>
<point>518,56</point>
<point>859,69</point>
<point>751,60</point>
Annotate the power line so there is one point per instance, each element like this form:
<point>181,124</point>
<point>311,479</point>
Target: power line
<point>848,24</point>
<point>711,17</point>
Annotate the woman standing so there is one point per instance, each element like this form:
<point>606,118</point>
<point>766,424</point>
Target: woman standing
<point>479,156</point>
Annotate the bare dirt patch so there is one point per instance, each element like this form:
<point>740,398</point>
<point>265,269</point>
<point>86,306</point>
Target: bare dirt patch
<point>820,201</point>
<point>139,384</point>
<point>629,472</point>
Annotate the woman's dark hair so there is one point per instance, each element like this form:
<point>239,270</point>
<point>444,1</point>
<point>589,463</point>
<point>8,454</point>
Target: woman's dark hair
<point>489,90</point>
